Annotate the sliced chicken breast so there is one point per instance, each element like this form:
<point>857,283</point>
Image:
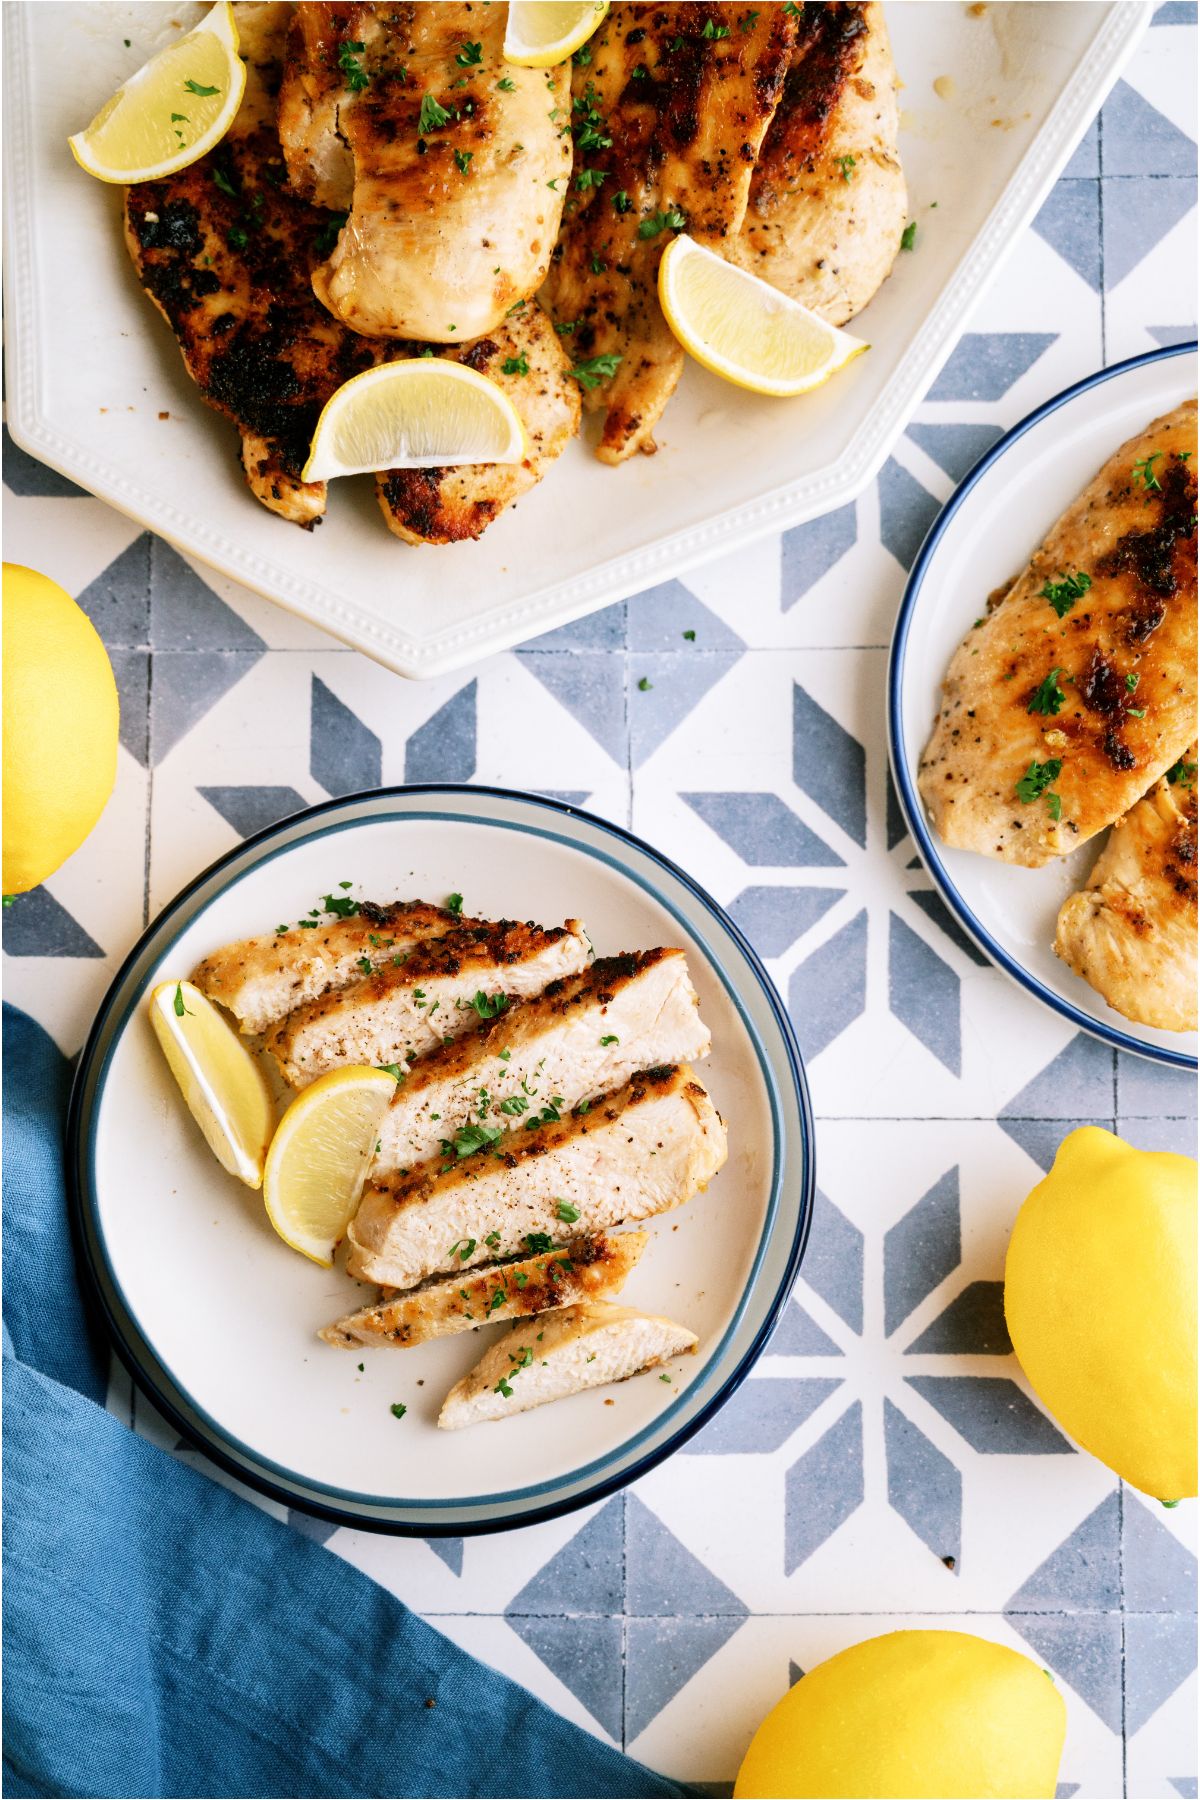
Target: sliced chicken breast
<point>1131,932</point>
<point>641,1151</point>
<point>261,979</point>
<point>588,1268</point>
<point>583,1037</point>
<point>425,997</point>
<point>550,1358</point>
<point>1077,691</point>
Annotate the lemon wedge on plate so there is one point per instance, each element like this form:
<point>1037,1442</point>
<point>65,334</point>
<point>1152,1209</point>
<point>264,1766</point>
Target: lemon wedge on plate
<point>319,1155</point>
<point>420,413</point>
<point>172,111</point>
<point>224,1087</point>
<point>541,33</point>
<point>744,329</point>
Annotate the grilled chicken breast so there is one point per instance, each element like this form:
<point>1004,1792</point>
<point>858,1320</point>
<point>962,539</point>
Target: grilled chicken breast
<point>261,979</point>
<point>1131,932</point>
<point>582,1037</point>
<point>669,109</point>
<point>588,1268</point>
<point>563,1353</point>
<point>452,163</point>
<point>827,200</point>
<point>638,1152</point>
<point>525,358</point>
<point>419,999</point>
<point>1078,690</point>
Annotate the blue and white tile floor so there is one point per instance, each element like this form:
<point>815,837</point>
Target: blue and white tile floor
<point>885,1464</point>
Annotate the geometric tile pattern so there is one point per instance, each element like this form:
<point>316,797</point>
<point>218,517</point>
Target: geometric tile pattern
<point>885,1464</point>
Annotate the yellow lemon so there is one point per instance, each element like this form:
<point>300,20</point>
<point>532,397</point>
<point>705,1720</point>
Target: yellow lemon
<point>224,1087</point>
<point>60,727</point>
<point>319,1157</point>
<point>418,413</point>
<point>1100,1299</point>
<point>541,33</point>
<point>915,1715</point>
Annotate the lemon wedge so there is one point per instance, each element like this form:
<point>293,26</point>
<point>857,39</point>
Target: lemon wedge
<point>172,111</point>
<point>420,413</point>
<point>541,33</point>
<point>224,1087</point>
<point>319,1155</point>
<point>744,329</point>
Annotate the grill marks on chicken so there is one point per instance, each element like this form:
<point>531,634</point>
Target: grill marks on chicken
<point>1131,932</point>
<point>669,110</point>
<point>582,1037</point>
<point>414,1002</point>
<point>261,979</point>
<point>454,184</point>
<point>1078,690</point>
<point>641,1151</point>
<point>587,1268</point>
<point>828,201</point>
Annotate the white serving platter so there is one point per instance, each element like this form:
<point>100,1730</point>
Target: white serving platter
<point>217,1318</point>
<point>92,367</point>
<point>990,525</point>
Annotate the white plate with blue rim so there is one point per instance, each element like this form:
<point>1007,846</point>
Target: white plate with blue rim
<point>994,520</point>
<point>216,1318</point>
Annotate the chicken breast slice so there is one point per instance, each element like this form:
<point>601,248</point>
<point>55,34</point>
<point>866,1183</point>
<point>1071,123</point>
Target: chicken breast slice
<point>582,1037</point>
<point>421,998</point>
<point>644,1150</point>
<point>1131,932</point>
<point>582,1347</point>
<point>260,979</point>
<point>588,1268</point>
<point>453,164</point>
<point>828,201</point>
<point>1077,691</point>
<point>669,108</point>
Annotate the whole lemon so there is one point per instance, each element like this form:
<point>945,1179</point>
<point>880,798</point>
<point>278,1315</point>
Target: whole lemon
<point>911,1715</point>
<point>1100,1299</point>
<point>60,727</point>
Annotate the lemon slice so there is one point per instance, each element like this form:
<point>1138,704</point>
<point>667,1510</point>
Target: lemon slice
<point>420,413</point>
<point>743,328</point>
<point>224,1087</point>
<point>319,1156</point>
<point>541,33</point>
<point>172,111</point>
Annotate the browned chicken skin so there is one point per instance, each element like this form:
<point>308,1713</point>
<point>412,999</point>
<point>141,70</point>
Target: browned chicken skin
<point>669,108</point>
<point>828,201</point>
<point>1078,690</point>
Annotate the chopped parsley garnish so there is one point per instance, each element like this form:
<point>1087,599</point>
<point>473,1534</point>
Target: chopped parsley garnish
<point>672,219</point>
<point>194,87</point>
<point>454,904</point>
<point>596,369</point>
<point>1143,471</point>
<point>521,1277</point>
<point>397,1071</point>
<point>492,1239</point>
<point>1131,682</point>
<point>502,1387</point>
<point>331,230</point>
<point>847,165</point>
<point>397,1409</point>
<point>566,327</point>
<point>365,964</point>
<point>566,1212</point>
<point>462,160</point>
<point>748,21</point>
<point>488,1006</point>
<point>432,116</point>
<point>598,264</point>
<point>514,1106</point>
<point>469,1139</point>
<point>515,365</point>
<point>590,178</point>
<point>690,637</point>
<point>469,55</point>
<point>180,1008</point>
<point>237,237</point>
<point>1037,781</point>
<point>714,31</point>
<point>222,181</point>
<point>645,684</point>
<point>621,202</point>
<point>352,69</point>
<point>341,908</point>
<point>497,1299</point>
<point>539,1242</point>
<point>664,1377</point>
<point>1063,594</point>
<point>505,85</point>
<point>1182,773</point>
<point>908,237</point>
<point>582,56</point>
<point>610,1039</point>
<point>1048,696</point>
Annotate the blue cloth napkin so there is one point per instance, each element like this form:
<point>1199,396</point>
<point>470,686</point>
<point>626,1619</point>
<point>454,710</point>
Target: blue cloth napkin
<point>164,1636</point>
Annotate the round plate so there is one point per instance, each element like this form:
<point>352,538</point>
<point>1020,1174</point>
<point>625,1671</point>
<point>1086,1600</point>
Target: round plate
<point>216,1317</point>
<point>978,542</point>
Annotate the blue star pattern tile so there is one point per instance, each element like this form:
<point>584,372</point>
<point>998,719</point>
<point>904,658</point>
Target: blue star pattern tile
<point>885,1464</point>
